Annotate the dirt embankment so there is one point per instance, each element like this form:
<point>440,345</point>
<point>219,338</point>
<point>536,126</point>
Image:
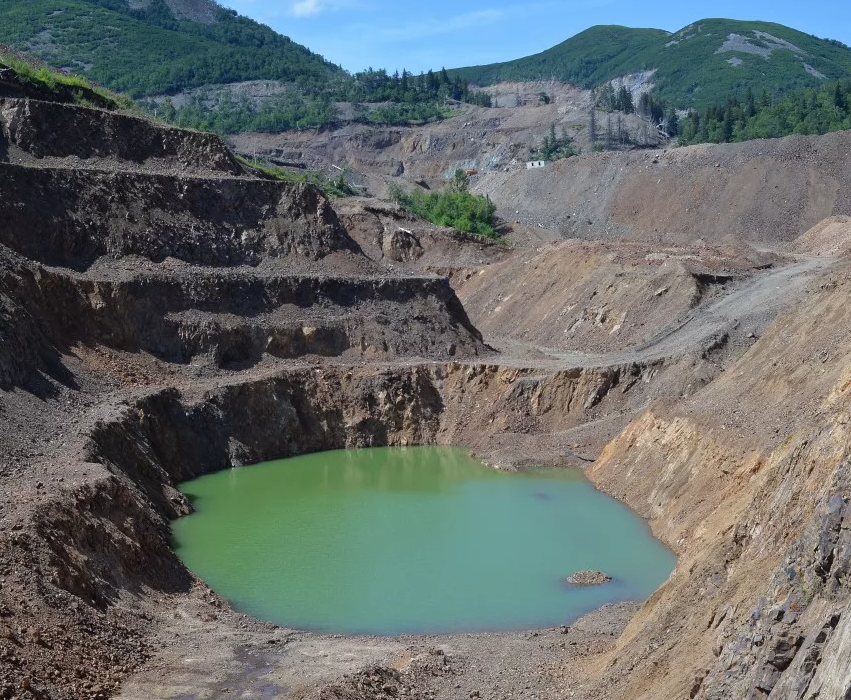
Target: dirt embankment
<point>597,297</point>
<point>87,215</point>
<point>762,191</point>
<point>828,238</point>
<point>39,130</point>
<point>749,482</point>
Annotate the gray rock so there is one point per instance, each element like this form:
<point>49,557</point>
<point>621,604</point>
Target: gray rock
<point>588,578</point>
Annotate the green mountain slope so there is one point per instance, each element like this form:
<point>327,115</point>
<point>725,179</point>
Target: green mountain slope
<point>696,66</point>
<point>160,46</point>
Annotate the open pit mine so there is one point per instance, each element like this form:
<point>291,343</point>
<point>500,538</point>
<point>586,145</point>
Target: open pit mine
<point>167,314</point>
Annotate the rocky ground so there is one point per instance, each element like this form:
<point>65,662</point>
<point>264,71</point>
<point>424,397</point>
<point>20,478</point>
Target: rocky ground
<point>489,140</point>
<point>165,314</point>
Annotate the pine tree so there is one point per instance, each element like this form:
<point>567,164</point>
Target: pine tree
<point>625,101</point>
<point>431,82</point>
<point>750,101</point>
<point>672,124</point>
<point>839,97</point>
<point>592,127</point>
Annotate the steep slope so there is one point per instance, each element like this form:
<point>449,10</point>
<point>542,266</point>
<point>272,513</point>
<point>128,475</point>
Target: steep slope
<point>762,190</point>
<point>748,480</point>
<point>156,46</point>
<point>701,64</point>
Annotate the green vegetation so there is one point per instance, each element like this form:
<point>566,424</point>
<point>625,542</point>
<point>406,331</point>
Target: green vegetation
<point>378,98</point>
<point>689,72</point>
<point>807,112</point>
<point>406,88</point>
<point>149,51</point>
<point>612,100</point>
<point>291,110</point>
<point>589,58</point>
<point>393,114</point>
<point>651,108</point>
<point>331,187</point>
<point>554,147</point>
<point>454,207</point>
<point>62,86</point>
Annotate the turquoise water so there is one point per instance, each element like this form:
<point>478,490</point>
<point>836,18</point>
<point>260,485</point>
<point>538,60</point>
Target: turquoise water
<point>412,540</point>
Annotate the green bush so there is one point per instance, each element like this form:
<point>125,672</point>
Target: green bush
<point>460,210</point>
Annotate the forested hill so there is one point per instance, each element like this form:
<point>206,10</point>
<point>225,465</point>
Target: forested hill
<point>155,46</point>
<point>699,65</point>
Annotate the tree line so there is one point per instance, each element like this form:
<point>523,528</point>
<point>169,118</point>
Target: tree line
<point>805,111</point>
<point>406,88</point>
<point>377,98</point>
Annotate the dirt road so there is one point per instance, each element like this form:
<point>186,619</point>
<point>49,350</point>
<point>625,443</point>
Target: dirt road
<point>746,309</point>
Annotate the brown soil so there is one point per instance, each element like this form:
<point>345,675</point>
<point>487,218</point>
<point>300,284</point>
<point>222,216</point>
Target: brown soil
<point>759,191</point>
<point>830,238</point>
<point>164,316</point>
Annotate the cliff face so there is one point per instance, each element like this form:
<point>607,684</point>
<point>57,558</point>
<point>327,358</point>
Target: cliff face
<point>749,482</point>
<point>40,130</point>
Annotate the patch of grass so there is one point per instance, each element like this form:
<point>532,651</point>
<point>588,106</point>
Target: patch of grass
<point>67,87</point>
<point>333,188</point>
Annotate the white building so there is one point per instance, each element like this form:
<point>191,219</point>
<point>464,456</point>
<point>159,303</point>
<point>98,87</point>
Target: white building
<point>530,165</point>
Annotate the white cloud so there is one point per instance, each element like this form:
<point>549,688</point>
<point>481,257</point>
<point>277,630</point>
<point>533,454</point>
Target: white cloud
<point>307,8</point>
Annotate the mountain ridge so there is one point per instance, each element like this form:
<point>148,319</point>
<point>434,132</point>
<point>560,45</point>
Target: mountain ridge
<point>146,47</point>
<point>698,65</point>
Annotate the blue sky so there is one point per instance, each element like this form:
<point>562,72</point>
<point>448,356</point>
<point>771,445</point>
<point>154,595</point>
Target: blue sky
<point>435,33</point>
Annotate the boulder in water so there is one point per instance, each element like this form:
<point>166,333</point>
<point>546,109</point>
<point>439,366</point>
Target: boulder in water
<point>588,578</point>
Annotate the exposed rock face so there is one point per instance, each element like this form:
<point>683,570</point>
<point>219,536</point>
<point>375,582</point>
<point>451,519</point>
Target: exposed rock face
<point>236,317</point>
<point>82,215</point>
<point>402,246</point>
<point>749,482</point>
<point>50,129</point>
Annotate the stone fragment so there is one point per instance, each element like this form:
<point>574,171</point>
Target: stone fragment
<point>588,578</point>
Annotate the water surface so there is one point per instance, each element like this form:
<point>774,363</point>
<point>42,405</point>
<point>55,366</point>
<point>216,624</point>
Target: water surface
<point>418,539</point>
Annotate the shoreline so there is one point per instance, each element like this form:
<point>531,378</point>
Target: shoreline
<point>234,654</point>
<point>202,655</point>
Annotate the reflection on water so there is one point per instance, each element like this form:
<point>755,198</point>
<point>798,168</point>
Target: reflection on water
<point>411,540</point>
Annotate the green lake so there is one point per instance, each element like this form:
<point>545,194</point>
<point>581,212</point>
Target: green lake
<point>412,540</point>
